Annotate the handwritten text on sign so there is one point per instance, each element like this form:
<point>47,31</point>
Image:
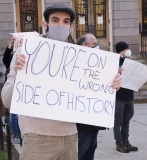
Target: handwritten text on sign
<point>66,82</point>
<point>134,75</point>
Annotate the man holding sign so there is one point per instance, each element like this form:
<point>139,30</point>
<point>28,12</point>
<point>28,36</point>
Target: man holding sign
<point>87,134</point>
<point>44,138</point>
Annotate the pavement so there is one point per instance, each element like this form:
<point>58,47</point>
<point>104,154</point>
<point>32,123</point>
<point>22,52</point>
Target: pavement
<point>138,137</point>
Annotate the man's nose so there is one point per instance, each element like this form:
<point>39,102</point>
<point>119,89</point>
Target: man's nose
<point>61,23</point>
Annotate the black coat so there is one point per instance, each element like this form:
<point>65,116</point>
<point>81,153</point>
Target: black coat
<point>7,57</point>
<point>88,127</point>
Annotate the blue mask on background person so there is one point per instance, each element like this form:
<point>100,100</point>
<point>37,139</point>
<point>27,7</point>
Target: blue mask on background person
<point>58,33</point>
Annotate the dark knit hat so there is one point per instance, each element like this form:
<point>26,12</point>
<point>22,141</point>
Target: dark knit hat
<point>121,46</point>
<point>59,7</point>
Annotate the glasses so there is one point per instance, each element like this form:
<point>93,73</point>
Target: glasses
<point>95,43</point>
<point>94,46</point>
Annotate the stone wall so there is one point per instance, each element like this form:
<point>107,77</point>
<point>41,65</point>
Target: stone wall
<point>6,27</point>
<point>126,23</point>
<point>6,22</point>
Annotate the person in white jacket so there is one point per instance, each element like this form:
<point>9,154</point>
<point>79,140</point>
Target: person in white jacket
<point>42,138</point>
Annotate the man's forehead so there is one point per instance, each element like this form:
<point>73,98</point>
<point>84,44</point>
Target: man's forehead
<point>91,38</point>
<point>60,15</point>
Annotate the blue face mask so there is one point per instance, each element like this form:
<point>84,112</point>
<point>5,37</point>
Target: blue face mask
<point>96,47</point>
<point>58,33</point>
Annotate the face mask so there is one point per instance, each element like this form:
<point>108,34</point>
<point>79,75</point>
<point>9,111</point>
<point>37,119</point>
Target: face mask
<point>128,53</point>
<point>58,33</point>
<point>96,47</point>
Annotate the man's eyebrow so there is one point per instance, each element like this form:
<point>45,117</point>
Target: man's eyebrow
<point>54,17</point>
<point>59,18</point>
<point>67,19</point>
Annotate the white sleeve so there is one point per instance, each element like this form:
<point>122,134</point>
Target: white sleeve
<point>7,89</point>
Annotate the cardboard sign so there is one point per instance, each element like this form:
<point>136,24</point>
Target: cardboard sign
<point>66,82</point>
<point>134,75</point>
<point>19,38</point>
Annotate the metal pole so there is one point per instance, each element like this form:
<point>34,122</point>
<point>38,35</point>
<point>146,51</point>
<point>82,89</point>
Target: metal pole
<point>8,135</point>
<point>111,25</point>
<point>1,131</point>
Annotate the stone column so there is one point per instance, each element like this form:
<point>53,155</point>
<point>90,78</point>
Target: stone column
<point>126,23</point>
<point>6,27</point>
<point>6,22</point>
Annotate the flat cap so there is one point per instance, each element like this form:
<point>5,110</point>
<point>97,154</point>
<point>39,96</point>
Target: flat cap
<point>59,7</point>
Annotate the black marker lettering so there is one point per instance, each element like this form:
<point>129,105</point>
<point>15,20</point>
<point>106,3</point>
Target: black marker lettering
<point>26,90</point>
<point>98,106</point>
<point>106,106</point>
<point>83,85</point>
<point>102,63</point>
<point>96,75</point>
<point>90,103</point>
<point>35,57</point>
<point>30,54</point>
<point>54,62</point>
<point>61,95</point>
<point>35,95</point>
<point>79,100</point>
<point>66,64</point>
<point>68,102</point>
<point>93,64</point>
<point>47,97</point>
<point>18,91</point>
<point>75,65</point>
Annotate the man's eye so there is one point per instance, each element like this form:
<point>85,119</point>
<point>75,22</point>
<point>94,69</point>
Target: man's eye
<point>67,22</point>
<point>55,20</point>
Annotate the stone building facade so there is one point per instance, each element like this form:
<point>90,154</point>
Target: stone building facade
<point>6,21</point>
<point>122,19</point>
<point>126,23</point>
<point>123,23</point>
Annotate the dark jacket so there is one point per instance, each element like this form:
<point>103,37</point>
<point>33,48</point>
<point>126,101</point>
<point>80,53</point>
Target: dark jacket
<point>124,94</point>
<point>7,58</point>
<point>88,127</point>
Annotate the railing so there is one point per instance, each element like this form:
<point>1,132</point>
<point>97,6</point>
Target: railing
<point>6,125</point>
<point>8,133</point>
<point>144,43</point>
<point>1,131</point>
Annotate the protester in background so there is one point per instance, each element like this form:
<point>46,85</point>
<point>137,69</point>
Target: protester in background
<point>7,57</point>
<point>88,40</point>
<point>124,108</point>
<point>87,134</point>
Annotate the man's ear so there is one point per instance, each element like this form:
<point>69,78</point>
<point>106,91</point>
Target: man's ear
<point>71,27</point>
<point>84,44</point>
<point>44,24</point>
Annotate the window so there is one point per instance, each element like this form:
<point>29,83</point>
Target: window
<point>99,18</point>
<point>95,10</point>
<point>81,17</point>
